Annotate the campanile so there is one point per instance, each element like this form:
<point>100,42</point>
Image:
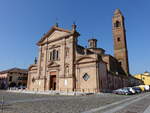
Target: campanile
<point>119,37</point>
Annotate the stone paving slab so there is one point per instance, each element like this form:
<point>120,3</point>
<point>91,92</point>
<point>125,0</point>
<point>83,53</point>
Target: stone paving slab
<point>137,104</point>
<point>136,107</point>
<point>29,103</point>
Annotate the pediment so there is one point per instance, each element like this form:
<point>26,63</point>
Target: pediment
<point>53,34</point>
<point>85,60</point>
<point>53,64</point>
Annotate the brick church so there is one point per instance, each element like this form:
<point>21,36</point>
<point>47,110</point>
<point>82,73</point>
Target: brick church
<point>64,65</point>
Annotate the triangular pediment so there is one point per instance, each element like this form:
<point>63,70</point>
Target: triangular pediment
<point>56,35</point>
<point>53,34</point>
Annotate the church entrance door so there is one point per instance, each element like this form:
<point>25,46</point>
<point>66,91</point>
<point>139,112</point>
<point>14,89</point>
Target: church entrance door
<point>52,83</point>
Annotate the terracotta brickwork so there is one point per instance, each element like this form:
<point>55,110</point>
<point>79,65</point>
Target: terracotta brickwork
<point>64,65</point>
<point>120,45</point>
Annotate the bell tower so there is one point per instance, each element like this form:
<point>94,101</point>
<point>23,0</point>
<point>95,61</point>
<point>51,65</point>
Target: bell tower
<point>119,36</point>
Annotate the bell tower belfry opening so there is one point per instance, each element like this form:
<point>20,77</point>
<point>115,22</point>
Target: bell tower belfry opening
<point>119,35</point>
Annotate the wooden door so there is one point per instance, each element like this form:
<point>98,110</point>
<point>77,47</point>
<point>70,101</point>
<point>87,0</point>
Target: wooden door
<point>53,82</point>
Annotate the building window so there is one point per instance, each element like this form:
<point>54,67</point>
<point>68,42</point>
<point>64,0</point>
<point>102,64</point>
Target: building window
<point>50,55</point>
<point>118,39</point>
<point>143,78</point>
<point>120,62</point>
<point>86,76</point>
<point>54,55</point>
<point>10,78</point>
<point>117,24</point>
<point>57,55</point>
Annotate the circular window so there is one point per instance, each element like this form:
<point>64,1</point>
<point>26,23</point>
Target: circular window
<point>86,76</point>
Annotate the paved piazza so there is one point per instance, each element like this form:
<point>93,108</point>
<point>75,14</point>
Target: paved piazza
<point>102,103</point>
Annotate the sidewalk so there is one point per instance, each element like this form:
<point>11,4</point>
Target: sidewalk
<point>51,92</point>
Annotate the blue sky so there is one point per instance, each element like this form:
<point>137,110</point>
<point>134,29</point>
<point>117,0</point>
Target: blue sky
<point>23,22</point>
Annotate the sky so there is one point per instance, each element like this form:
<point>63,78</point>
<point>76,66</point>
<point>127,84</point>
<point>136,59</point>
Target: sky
<point>23,23</point>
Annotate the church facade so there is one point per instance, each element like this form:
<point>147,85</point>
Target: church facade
<point>64,65</point>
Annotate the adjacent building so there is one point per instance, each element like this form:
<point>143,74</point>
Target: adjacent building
<point>14,77</point>
<point>145,77</point>
<point>64,65</point>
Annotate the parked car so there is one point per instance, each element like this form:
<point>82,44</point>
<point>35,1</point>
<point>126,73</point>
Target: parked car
<point>118,91</point>
<point>122,91</point>
<point>137,90</point>
<point>13,88</point>
<point>22,87</point>
<point>146,87</point>
<point>126,91</point>
<point>141,87</point>
<point>132,90</point>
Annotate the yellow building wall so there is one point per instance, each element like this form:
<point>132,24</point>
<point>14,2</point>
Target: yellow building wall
<point>144,78</point>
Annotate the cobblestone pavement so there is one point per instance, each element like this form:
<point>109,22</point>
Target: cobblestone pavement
<point>136,104</point>
<point>137,107</point>
<point>33,103</point>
